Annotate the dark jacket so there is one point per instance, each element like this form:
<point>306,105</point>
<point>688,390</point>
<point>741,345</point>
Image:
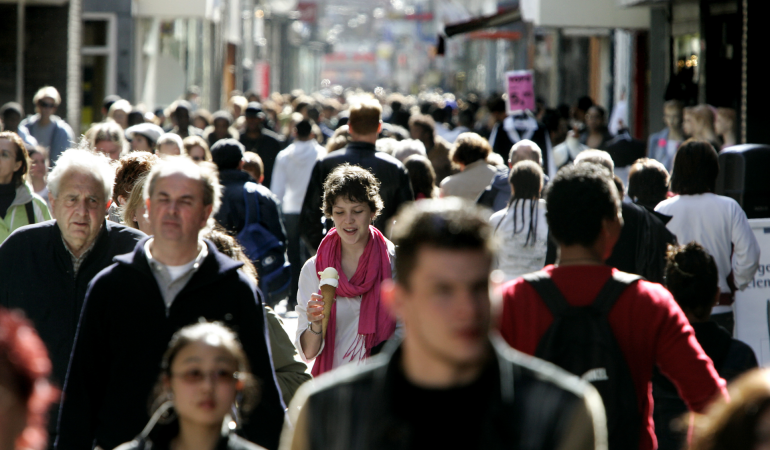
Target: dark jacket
<point>232,212</point>
<point>160,437</point>
<point>37,277</point>
<point>533,405</point>
<point>395,187</point>
<point>731,358</point>
<point>125,329</point>
<point>641,246</point>
<point>267,146</point>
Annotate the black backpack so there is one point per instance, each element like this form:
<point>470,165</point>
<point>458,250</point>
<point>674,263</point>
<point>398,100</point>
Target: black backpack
<point>580,340</point>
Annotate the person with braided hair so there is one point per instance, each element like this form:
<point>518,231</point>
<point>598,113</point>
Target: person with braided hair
<point>521,228</point>
<point>692,278</point>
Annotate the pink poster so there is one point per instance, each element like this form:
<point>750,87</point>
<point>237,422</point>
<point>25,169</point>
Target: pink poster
<point>520,89</point>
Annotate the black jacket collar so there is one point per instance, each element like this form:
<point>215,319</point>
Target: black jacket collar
<point>361,146</point>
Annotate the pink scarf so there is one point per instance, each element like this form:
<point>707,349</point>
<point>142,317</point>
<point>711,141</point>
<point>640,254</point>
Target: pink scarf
<point>375,324</point>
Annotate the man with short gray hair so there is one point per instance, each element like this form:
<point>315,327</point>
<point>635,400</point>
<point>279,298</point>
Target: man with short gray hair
<point>170,280</point>
<point>46,267</point>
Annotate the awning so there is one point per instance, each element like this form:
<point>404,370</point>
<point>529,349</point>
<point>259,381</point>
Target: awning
<point>585,14</point>
<point>173,9</point>
<point>504,17</point>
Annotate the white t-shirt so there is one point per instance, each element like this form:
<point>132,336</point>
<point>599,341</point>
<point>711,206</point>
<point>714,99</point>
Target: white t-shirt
<point>348,312</point>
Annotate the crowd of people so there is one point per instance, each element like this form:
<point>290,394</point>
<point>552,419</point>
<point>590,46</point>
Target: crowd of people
<point>537,280</point>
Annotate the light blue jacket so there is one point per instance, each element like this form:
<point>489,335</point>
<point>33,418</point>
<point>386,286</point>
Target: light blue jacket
<point>61,139</point>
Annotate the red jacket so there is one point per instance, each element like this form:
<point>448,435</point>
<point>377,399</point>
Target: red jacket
<point>649,327</point>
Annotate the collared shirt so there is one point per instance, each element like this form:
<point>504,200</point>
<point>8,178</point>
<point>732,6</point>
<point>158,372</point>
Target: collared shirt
<point>77,261</point>
<point>172,279</point>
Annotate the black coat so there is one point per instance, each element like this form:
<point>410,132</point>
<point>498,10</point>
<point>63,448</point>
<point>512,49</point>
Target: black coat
<point>267,146</point>
<point>395,187</point>
<point>38,278</point>
<point>124,330</point>
<point>232,212</point>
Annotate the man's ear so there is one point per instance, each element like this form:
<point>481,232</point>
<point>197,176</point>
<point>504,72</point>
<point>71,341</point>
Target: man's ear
<point>390,297</point>
<point>379,128</point>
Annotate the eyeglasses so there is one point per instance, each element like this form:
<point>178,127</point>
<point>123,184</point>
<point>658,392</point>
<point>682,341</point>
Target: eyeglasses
<point>46,105</point>
<point>196,376</point>
<point>197,158</point>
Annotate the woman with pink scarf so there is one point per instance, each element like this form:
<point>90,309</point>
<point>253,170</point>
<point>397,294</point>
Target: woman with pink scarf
<point>363,258</point>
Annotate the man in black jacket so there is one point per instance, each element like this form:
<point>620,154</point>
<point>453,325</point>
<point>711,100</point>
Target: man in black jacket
<point>448,384</point>
<point>45,268</point>
<point>260,140</point>
<point>395,188</point>
<point>133,307</point>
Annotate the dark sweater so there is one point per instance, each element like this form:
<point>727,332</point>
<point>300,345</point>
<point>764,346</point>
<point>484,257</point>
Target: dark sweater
<point>124,330</point>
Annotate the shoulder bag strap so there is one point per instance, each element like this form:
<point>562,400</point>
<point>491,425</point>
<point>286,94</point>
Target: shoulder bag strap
<point>30,212</point>
<point>548,291</point>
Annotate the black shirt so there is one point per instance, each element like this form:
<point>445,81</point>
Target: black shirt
<point>445,418</point>
<point>267,146</point>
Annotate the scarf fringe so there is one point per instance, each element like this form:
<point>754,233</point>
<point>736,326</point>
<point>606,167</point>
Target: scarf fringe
<point>358,351</point>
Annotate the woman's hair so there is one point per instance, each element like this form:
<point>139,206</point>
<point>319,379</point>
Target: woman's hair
<point>733,424</point>
<point>703,115</point>
<point>202,114</point>
<point>171,138</point>
<point>422,176</point>
<point>339,139</point>
<point>108,131</point>
<point>24,371</point>
<point>215,334</point>
<point>469,148</point>
<point>353,184</point>
<point>196,141</point>
<point>696,166</point>
<point>47,91</point>
<point>692,278</point>
<point>229,246</point>
<point>526,179</point>
<point>130,167</point>
<point>647,182</point>
<point>120,105</point>
<point>20,176</point>
<point>135,201</point>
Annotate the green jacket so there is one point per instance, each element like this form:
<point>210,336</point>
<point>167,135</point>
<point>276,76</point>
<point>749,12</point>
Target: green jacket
<point>16,216</point>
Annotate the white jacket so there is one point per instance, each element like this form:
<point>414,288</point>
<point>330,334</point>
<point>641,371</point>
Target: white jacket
<point>291,173</point>
<point>515,258</point>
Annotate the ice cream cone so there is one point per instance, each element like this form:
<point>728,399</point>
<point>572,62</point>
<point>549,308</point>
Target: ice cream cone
<point>328,284</point>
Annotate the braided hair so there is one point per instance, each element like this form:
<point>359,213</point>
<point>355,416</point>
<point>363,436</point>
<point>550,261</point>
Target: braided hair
<point>526,179</point>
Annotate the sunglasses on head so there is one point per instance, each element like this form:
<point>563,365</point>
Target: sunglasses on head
<point>45,105</point>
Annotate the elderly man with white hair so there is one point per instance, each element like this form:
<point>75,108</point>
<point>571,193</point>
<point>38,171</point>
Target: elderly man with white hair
<point>45,268</point>
<point>498,192</point>
<point>134,307</point>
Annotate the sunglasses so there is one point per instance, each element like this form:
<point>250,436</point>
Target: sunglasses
<point>196,376</point>
<point>46,105</point>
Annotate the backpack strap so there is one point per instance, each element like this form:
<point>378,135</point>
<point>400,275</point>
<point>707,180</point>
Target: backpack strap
<point>548,291</point>
<point>30,212</point>
<point>612,290</point>
<point>250,198</point>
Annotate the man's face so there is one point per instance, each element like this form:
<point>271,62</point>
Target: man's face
<point>109,148</point>
<point>446,308</point>
<point>11,120</point>
<point>79,209</point>
<point>220,128</point>
<point>46,106</point>
<point>673,118</point>
<point>176,210</point>
<point>182,118</point>
<point>253,123</point>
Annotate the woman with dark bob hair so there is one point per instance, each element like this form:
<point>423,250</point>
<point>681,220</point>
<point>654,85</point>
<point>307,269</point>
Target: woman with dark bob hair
<point>743,423</point>
<point>716,222</point>
<point>203,387</point>
<point>357,322</point>
<point>470,153</point>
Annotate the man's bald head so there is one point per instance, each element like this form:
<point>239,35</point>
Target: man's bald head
<point>525,150</point>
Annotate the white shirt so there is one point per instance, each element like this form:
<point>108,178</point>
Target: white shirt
<point>717,223</point>
<point>348,312</point>
<point>515,258</point>
<point>291,173</point>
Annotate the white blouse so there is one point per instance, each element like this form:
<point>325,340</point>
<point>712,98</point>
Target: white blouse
<point>348,312</point>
